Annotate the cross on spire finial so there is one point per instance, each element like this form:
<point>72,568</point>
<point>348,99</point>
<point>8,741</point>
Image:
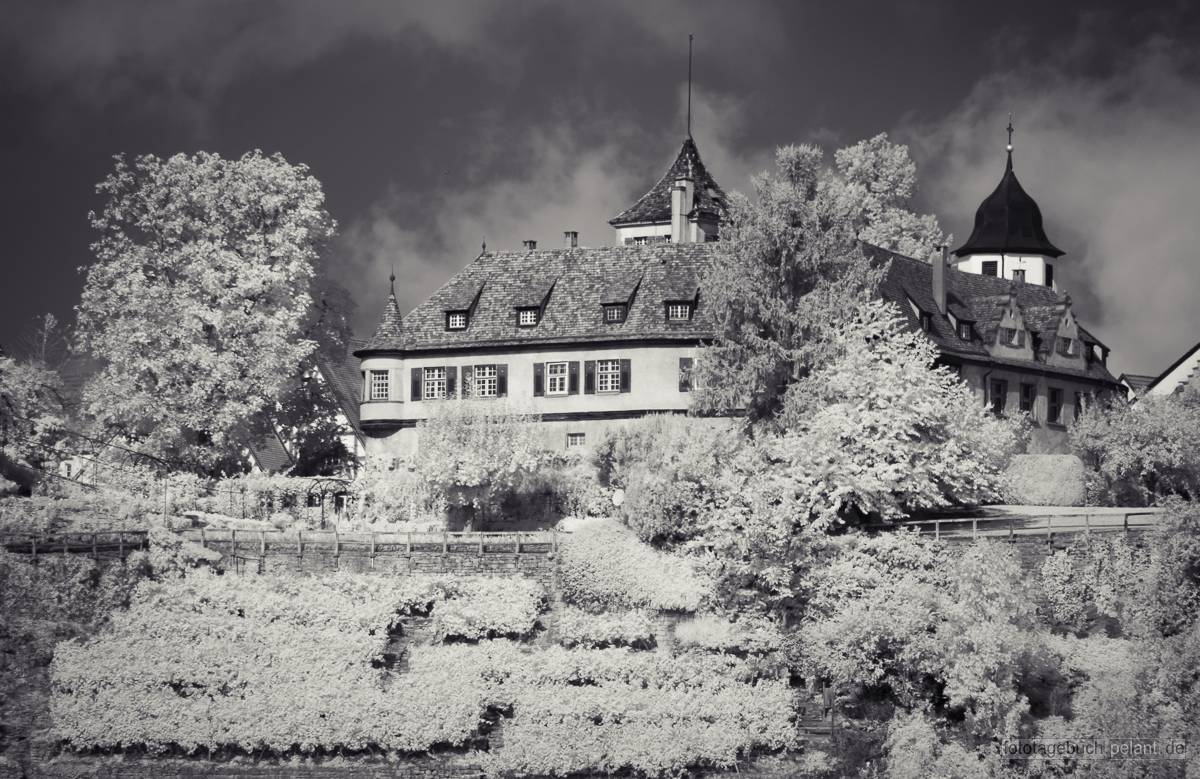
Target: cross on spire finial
<point>392,279</point>
<point>1009,147</point>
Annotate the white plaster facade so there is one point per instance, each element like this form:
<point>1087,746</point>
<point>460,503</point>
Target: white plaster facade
<point>1010,266</point>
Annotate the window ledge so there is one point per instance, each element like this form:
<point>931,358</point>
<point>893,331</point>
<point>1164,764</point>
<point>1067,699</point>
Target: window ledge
<point>380,400</point>
<point>1056,426</point>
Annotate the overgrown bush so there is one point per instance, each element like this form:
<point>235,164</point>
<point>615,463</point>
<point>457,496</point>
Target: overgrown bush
<point>577,627</point>
<point>604,566</point>
<point>1097,579</point>
<point>747,635</point>
<point>668,466</point>
<point>489,607</point>
<point>387,492</point>
<point>1142,453</point>
<point>1045,480</point>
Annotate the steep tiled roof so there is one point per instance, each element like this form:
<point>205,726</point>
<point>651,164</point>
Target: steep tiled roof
<point>345,381</point>
<point>269,453</point>
<point>1137,381</point>
<point>1008,221</point>
<point>583,280</point>
<point>984,297</point>
<point>390,328</point>
<point>655,205</point>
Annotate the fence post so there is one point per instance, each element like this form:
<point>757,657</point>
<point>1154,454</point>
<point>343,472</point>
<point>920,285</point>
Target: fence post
<point>65,541</point>
<point>373,545</point>
<point>121,544</point>
<point>95,555</point>
<point>33,547</point>
<point>262,543</point>
<point>1125,521</point>
<point>1087,524</point>
<point>481,544</point>
<point>518,537</point>
<point>554,540</point>
<point>937,530</point>
<point>337,545</point>
<point>445,542</point>
<point>408,543</point>
<point>1012,532</point>
<point>233,534</point>
<point>203,539</point>
<point>974,528</point>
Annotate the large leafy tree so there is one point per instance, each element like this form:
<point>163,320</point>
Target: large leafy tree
<point>793,265</point>
<point>34,403</point>
<point>200,304</point>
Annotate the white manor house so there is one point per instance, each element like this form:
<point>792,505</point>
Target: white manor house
<point>585,337</point>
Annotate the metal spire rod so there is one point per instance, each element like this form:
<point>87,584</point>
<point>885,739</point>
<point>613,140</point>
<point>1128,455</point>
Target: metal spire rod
<point>1010,131</point>
<point>689,113</point>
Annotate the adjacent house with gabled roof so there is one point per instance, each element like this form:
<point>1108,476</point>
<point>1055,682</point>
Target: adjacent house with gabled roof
<point>586,336</point>
<point>1182,374</point>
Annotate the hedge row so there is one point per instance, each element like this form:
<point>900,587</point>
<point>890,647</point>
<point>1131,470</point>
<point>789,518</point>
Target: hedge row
<point>577,627</point>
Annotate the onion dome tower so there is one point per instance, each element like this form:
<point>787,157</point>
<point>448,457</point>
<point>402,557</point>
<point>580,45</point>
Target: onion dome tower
<point>1009,240</point>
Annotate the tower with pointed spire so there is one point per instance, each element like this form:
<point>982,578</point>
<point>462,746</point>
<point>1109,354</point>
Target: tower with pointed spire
<point>1008,239</point>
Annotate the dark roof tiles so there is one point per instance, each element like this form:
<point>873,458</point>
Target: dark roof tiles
<point>655,205</point>
<point>1008,221</point>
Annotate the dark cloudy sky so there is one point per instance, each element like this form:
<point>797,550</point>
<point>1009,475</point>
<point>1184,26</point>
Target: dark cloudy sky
<point>433,125</point>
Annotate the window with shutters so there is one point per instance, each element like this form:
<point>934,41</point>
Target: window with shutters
<point>1054,406</point>
<point>999,398</point>
<point>576,439</point>
<point>434,381</point>
<point>456,320</point>
<point>556,378</point>
<point>1028,396</point>
<point>484,381</point>
<point>608,376</point>
<point>380,388</point>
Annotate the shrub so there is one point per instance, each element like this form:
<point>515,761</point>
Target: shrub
<point>489,607</point>
<point>1141,453</point>
<point>668,466</point>
<point>747,635</point>
<point>1045,480</point>
<point>386,492</point>
<point>605,567</point>
<point>1096,578</point>
<point>579,628</point>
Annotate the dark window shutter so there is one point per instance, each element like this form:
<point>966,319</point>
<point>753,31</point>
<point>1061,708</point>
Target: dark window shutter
<point>416,385</point>
<point>366,390</point>
<point>589,377</point>
<point>573,378</point>
<point>468,373</point>
<point>502,381</point>
<point>685,374</point>
<point>451,381</point>
<point>539,383</point>
<point>625,375</point>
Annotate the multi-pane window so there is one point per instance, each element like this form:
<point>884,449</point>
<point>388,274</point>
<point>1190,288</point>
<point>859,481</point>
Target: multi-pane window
<point>456,320</point>
<point>999,395</point>
<point>379,388</point>
<point>608,375</point>
<point>434,384</point>
<point>527,317</point>
<point>1011,336</point>
<point>1028,396</point>
<point>484,381</point>
<point>556,378</point>
<point>964,331</point>
<point>576,439</point>
<point>990,268</point>
<point>679,312</point>
<point>1054,406</point>
<point>614,313</point>
<point>1066,346</point>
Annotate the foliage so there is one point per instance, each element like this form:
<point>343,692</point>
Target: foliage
<point>58,598</point>
<point>962,639</point>
<point>1095,580</point>
<point>489,608</point>
<point>877,432</point>
<point>793,265</point>
<point>207,662</point>
<point>1170,604</point>
<point>576,627</point>
<point>386,491</point>
<point>603,567</point>
<point>668,466</point>
<point>476,455</point>
<point>1144,452</point>
<point>749,634</point>
<point>1045,480</point>
<point>200,296</point>
<point>917,748</point>
<point>33,413</point>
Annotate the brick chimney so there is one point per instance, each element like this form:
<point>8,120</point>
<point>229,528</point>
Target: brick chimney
<point>570,239</point>
<point>529,244</point>
<point>939,278</point>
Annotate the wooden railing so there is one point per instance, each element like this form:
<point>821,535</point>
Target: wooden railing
<point>1009,526</point>
<point>98,544</point>
<point>248,542</point>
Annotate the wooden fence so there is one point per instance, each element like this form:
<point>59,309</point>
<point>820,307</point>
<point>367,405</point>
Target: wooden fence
<point>246,543</point>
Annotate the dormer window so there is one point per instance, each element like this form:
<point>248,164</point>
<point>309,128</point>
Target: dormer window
<point>1011,336</point>
<point>456,320</point>
<point>527,317</point>
<point>964,331</point>
<point>679,312</point>
<point>614,313</point>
